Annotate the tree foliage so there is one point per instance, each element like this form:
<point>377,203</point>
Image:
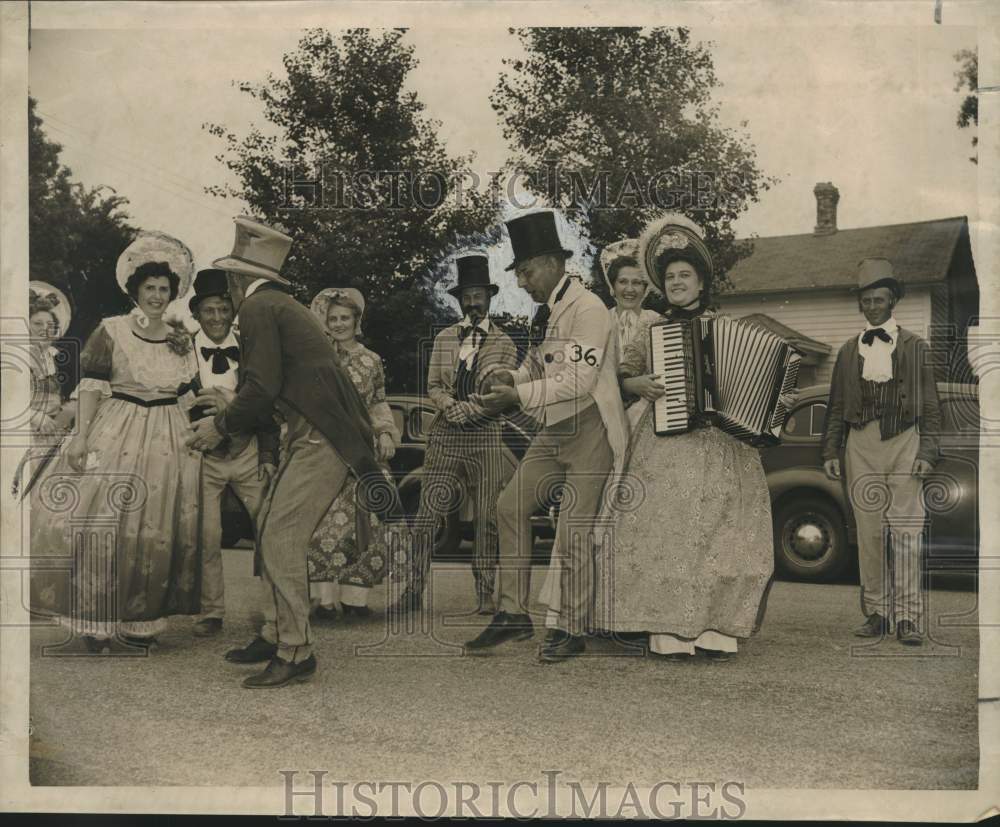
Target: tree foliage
<point>354,171</point>
<point>75,235</point>
<point>628,113</point>
<point>967,77</point>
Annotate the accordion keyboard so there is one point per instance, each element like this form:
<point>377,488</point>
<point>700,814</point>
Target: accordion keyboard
<point>670,411</point>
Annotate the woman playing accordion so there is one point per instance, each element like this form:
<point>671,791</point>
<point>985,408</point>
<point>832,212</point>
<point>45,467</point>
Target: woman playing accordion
<point>693,553</point>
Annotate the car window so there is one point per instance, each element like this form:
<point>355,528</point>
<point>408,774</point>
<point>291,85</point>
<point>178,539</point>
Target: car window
<point>421,422</point>
<point>817,419</point>
<point>806,421</point>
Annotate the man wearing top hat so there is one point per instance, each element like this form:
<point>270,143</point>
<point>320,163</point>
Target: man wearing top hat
<point>288,363</point>
<point>465,454</point>
<point>884,416</point>
<point>568,380</point>
<point>245,461</point>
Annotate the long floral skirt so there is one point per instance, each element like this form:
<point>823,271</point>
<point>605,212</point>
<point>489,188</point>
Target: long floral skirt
<point>115,548</point>
<point>695,554</point>
<point>347,550</point>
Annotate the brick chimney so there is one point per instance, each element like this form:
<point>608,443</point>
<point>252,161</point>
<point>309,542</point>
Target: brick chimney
<point>827,196</point>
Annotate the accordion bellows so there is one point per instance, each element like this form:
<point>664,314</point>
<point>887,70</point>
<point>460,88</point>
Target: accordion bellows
<point>730,370</point>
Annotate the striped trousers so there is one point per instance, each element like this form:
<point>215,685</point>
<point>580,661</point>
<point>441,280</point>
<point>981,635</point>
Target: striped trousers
<point>461,462</point>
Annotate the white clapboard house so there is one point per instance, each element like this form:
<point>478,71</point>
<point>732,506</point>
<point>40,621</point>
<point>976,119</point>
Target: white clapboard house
<point>802,285</point>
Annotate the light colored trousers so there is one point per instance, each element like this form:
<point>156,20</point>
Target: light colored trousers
<point>241,472</point>
<point>308,480</point>
<point>888,504</point>
<point>574,452</point>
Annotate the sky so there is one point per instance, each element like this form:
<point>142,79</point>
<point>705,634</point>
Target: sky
<point>870,109</point>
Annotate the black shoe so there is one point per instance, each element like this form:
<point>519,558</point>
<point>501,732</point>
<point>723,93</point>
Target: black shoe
<point>97,645</point>
<point>257,651</point>
<point>502,628</point>
<point>561,645</point>
<point>355,611</point>
<point>409,601</point>
<point>207,627</point>
<point>906,633</point>
<point>715,655</point>
<point>138,642</point>
<point>874,626</point>
<point>280,672</point>
<point>673,657</point>
<point>325,614</point>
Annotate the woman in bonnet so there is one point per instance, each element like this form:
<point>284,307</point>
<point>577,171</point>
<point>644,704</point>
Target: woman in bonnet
<point>126,470</point>
<point>49,316</point>
<point>348,556</point>
<point>693,558</point>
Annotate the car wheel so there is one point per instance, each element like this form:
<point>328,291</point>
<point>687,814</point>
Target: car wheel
<point>448,539</point>
<point>810,539</point>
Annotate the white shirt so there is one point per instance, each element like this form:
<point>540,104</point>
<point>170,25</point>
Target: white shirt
<point>226,380</point>
<point>876,358</point>
<point>471,343</point>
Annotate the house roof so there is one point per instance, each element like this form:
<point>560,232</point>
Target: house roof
<point>920,253</point>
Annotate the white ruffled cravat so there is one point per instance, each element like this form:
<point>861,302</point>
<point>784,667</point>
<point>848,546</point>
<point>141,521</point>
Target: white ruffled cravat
<point>628,321</point>
<point>877,357</point>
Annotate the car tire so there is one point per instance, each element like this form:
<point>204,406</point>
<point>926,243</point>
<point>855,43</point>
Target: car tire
<point>810,539</point>
<point>448,541</point>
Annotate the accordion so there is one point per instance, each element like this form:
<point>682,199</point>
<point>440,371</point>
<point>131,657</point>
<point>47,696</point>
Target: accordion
<point>729,370</point>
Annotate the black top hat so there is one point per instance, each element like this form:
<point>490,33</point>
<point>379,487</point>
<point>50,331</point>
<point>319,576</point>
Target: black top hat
<point>533,235</point>
<point>210,282</point>
<point>473,271</point>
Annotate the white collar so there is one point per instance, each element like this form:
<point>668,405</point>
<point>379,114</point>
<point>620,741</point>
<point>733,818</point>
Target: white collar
<point>555,291</point>
<point>253,287</point>
<point>889,326</point>
<point>201,340</point>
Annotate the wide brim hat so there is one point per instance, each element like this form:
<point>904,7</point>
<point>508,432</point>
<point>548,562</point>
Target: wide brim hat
<point>473,271</point>
<point>878,272</point>
<point>62,310</point>
<point>208,283</point>
<point>258,250</point>
<point>627,248</point>
<point>668,238</point>
<point>320,304</point>
<point>532,235</point>
<point>150,246</point>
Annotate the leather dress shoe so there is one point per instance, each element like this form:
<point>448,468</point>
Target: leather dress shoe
<point>716,655</point>
<point>560,645</point>
<point>326,614</point>
<point>502,628</point>
<point>257,651</point>
<point>409,601</point>
<point>207,627</point>
<point>358,612</point>
<point>281,672</point>
<point>874,626</point>
<point>906,633</point>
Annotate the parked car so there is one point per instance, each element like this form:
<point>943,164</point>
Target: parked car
<point>814,530</point>
<point>815,534</point>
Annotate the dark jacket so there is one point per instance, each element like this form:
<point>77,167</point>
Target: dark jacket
<point>915,391</point>
<point>286,358</point>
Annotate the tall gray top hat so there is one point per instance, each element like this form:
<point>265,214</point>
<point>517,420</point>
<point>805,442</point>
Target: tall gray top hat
<point>878,272</point>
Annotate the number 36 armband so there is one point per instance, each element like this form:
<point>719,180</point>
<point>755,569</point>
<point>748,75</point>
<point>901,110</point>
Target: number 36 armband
<point>590,356</point>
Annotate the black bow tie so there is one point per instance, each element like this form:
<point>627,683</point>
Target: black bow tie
<point>478,336</point>
<point>219,355</point>
<point>869,336</point>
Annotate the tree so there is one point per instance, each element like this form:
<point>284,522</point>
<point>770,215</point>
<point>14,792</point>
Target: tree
<point>968,78</point>
<point>619,123</point>
<point>351,168</point>
<point>75,235</point>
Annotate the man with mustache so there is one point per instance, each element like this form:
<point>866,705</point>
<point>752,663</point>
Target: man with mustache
<point>465,452</point>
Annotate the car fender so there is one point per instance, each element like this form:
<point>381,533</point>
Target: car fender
<point>787,480</point>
